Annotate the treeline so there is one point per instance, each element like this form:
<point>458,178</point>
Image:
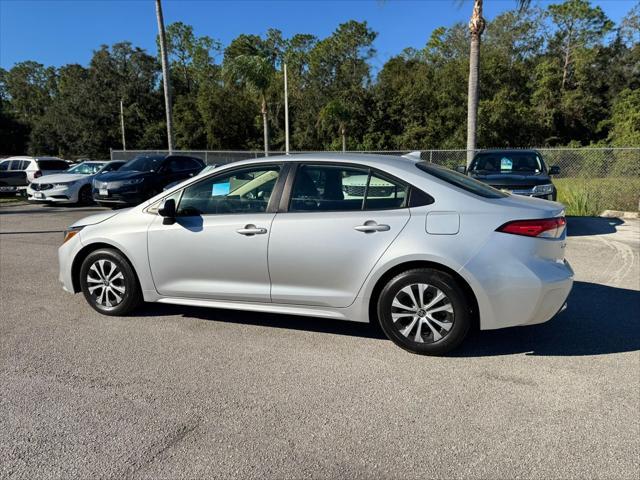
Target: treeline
<point>565,75</point>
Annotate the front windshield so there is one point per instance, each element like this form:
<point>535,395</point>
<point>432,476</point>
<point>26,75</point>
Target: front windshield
<point>142,164</point>
<point>86,168</point>
<point>507,162</point>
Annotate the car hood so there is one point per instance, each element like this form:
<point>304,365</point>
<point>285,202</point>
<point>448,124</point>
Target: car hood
<point>500,179</point>
<point>62,178</point>
<point>98,217</point>
<point>120,176</point>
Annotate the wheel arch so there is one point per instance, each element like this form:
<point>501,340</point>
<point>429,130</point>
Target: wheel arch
<point>84,253</point>
<point>414,264</point>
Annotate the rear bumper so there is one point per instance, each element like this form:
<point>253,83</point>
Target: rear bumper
<point>513,291</point>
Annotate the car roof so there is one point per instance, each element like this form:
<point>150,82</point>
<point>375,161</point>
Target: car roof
<point>370,159</point>
<point>508,150</point>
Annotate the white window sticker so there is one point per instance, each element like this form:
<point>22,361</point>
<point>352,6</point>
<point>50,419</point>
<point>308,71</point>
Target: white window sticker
<point>506,163</point>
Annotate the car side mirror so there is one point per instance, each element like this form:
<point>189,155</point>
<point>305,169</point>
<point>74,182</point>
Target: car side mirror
<point>554,170</point>
<point>168,211</point>
<point>461,169</point>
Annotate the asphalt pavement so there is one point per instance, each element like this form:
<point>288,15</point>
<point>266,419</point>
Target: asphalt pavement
<point>177,392</point>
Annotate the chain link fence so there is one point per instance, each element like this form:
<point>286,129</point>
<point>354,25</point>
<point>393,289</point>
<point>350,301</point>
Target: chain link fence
<point>590,181</point>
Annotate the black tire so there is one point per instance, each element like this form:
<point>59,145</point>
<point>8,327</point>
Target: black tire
<point>127,287</point>
<point>458,321</point>
<point>85,197</point>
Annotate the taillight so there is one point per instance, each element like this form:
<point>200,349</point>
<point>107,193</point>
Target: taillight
<point>37,174</point>
<point>543,228</point>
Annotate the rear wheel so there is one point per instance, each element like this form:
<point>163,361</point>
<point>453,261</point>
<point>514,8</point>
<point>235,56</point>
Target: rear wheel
<point>424,311</point>
<point>109,283</point>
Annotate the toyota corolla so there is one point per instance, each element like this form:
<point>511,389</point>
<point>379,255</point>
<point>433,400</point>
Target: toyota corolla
<point>425,251</point>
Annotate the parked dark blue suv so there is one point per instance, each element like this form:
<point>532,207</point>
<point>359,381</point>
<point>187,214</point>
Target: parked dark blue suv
<point>142,178</point>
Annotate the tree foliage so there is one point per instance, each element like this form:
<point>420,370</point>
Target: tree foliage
<point>560,75</point>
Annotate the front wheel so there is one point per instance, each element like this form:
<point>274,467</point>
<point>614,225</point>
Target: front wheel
<point>424,311</point>
<point>85,197</point>
<point>109,283</point>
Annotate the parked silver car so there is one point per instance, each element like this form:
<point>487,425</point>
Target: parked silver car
<point>423,250</point>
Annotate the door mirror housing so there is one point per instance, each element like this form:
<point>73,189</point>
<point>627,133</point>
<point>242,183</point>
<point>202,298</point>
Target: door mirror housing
<point>554,170</point>
<point>168,211</point>
<point>461,169</point>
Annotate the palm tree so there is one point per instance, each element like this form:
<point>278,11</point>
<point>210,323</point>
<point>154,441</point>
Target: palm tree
<point>335,114</point>
<point>476,27</point>
<point>257,73</point>
<point>165,74</point>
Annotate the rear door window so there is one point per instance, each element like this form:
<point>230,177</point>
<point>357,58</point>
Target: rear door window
<point>327,188</point>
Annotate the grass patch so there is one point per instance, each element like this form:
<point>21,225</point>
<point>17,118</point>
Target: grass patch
<point>5,200</point>
<point>591,196</point>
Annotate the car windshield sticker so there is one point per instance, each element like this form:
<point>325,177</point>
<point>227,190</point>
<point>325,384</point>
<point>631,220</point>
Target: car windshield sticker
<point>506,163</point>
<point>220,189</point>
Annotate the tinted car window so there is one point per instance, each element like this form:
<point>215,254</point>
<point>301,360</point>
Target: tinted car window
<point>337,188</point>
<point>112,167</point>
<point>4,166</point>
<point>328,188</point>
<point>18,164</point>
<point>242,191</point>
<point>507,162</point>
<point>149,163</point>
<point>384,193</point>
<point>461,181</point>
<point>52,165</point>
<point>183,164</point>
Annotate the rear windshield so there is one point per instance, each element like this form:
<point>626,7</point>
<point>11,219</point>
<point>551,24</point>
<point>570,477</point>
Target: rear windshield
<point>52,165</point>
<point>461,181</point>
<point>507,162</point>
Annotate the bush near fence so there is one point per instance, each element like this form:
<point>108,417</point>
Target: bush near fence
<point>591,180</point>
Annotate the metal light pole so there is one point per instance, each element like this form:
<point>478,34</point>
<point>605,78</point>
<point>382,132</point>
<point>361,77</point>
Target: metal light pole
<point>124,141</point>
<point>165,74</point>
<point>286,111</point>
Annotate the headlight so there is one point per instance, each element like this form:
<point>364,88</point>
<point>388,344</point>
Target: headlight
<point>71,232</point>
<point>544,189</point>
<point>133,181</point>
<point>63,185</point>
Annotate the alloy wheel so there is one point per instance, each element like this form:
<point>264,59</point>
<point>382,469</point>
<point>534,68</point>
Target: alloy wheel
<point>422,313</point>
<point>106,283</point>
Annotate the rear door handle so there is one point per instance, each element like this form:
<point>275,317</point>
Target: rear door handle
<point>370,226</point>
<point>251,229</point>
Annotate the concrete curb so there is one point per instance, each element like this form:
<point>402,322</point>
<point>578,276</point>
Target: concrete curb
<point>618,214</point>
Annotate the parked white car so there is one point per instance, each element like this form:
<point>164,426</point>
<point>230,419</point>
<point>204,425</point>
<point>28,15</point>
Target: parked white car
<point>35,167</point>
<point>72,186</point>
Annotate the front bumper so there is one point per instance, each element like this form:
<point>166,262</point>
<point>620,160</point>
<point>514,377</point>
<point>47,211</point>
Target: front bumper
<point>66,194</point>
<point>129,195</point>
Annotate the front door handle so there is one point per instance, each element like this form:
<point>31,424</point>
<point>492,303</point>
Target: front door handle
<point>251,229</point>
<point>370,226</point>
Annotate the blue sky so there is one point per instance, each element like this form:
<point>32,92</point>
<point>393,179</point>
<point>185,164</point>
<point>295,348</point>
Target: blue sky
<point>56,32</point>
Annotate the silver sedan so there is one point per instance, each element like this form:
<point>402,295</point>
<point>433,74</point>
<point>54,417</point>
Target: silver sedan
<point>423,250</point>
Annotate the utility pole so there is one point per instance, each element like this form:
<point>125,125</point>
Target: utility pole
<point>124,141</point>
<point>286,111</point>
<point>165,74</point>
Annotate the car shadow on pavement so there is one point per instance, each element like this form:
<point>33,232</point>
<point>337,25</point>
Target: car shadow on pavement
<point>599,320</point>
<point>291,322</point>
<point>585,226</point>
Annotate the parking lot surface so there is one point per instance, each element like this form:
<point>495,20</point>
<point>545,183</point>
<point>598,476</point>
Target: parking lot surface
<point>179,392</point>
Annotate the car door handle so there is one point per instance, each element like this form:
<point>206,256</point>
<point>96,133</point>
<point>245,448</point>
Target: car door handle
<point>370,227</point>
<point>251,230</point>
